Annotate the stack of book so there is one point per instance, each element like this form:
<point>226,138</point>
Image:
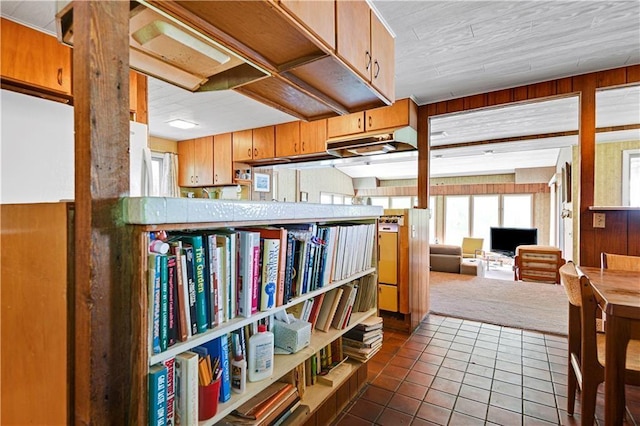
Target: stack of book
<point>271,406</point>
<point>364,340</point>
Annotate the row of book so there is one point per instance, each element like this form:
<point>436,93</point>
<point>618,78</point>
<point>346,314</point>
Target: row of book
<point>334,307</point>
<point>209,277</point>
<point>364,340</point>
<point>272,406</point>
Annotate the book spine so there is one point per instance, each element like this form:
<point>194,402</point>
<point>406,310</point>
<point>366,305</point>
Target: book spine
<point>220,283</point>
<point>200,270</point>
<point>164,303</point>
<point>181,295</point>
<point>191,288</point>
<point>245,273</point>
<point>232,275</point>
<point>270,268</point>
<point>282,264</point>
<point>255,287</point>
<point>171,389</point>
<point>288,272</point>
<point>172,288</point>
<point>225,384</point>
<point>186,368</point>
<point>158,395</point>
<point>213,281</point>
<point>154,290</point>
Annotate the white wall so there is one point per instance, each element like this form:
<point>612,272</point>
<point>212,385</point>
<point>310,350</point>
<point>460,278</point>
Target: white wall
<point>36,150</point>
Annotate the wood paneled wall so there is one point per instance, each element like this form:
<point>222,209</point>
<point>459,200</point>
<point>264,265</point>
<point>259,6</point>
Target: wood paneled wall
<point>585,85</point>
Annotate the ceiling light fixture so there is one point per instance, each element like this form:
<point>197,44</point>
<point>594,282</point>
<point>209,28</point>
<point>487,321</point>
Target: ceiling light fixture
<point>488,152</point>
<point>437,156</point>
<point>181,124</point>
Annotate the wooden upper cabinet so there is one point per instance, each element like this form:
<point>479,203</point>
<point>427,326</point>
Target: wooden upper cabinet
<point>243,145</point>
<point>353,35</point>
<point>343,125</point>
<point>402,113</point>
<point>222,159</point>
<point>313,136</point>
<point>319,17</point>
<point>195,162</point>
<point>264,142</point>
<point>288,139</point>
<point>35,59</point>
<point>383,54</point>
<point>366,45</point>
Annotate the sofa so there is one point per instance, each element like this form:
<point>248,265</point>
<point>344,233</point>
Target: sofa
<point>445,258</point>
<point>448,258</point>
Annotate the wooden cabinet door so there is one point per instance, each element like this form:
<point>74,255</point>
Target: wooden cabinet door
<point>383,54</point>
<point>222,159</point>
<point>353,31</point>
<point>319,17</point>
<point>35,58</point>
<point>203,161</point>
<point>186,173</point>
<point>243,145</point>
<point>313,136</point>
<point>264,142</point>
<point>288,139</point>
<point>345,125</point>
<point>396,115</point>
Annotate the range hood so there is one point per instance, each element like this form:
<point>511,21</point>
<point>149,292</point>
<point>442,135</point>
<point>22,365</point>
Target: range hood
<point>372,143</point>
<point>165,48</point>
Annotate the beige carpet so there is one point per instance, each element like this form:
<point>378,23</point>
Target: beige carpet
<point>529,306</point>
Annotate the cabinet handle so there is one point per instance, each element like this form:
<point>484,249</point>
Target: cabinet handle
<point>376,71</point>
<point>215,178</point>
<point>255,153</point>
<point>60,76</point>
<point>359,123</point>
<point>196,178</point>
<point>192,180</point>
<point>367,59</point>
<point>295,148</point>
<point>370,122</point>
<point>303,146</point>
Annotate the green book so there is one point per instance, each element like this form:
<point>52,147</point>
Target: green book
<point>201,279</point>
<point>164,303</point>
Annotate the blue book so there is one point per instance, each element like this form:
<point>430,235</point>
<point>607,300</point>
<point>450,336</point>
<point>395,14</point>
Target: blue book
<point>154,291</point>
<point>164,303</point>
<point>219,348</point>
<point>201,279</point>
<point>158,395</point>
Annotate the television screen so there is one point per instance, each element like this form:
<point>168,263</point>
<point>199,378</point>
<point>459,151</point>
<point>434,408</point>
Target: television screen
<point>505,240</point>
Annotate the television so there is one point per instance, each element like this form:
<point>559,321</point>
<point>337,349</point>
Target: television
<point>505,240</point>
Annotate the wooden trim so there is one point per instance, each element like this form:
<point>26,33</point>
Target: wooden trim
<point>424,154</point>
<point>464,189</point>
<point>103,272</point>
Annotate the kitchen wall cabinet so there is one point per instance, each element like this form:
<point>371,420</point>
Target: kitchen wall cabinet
<point>366,45</point>
<point>402,113</point>
<point>34,60</point>
<point>317,16</point>
<point>195,162</point>
<point>254,144</point>
<point>301,138</point>
<point>223,159</point>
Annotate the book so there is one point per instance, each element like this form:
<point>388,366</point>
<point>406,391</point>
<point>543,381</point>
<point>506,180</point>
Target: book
<point>172,302</point>
<point>287,412</point>
<point>186,367</point>
<point>289,274</point>
<point>370,323</point>
<point>248,248</point>
<point>360,335</point>
<point>315,310</point>
<point>200,279</point>
<point>211,263</point>
<point>348,290</point>
<point>282,235</point>
<point>171,389</point>
<point>328,308</point>
<point>182,294</point>
<point>360,344</point>
<point>296,417</point>
<point>154,301</point>
<point>191,287</point>
<point>219,348</point>
<point>288,401</point>
<point>157,379</point>
<point>270,269</point>
<point>249,409</point>
<point>164,303</point>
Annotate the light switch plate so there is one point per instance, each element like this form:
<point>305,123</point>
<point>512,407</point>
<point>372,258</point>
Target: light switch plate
<point>598,220</point>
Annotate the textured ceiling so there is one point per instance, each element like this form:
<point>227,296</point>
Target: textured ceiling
<point>446,50</point>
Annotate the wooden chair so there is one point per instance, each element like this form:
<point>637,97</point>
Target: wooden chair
<point>471,247</point>
<point>538,264</point>
<point>620,262</point>
<point>586,346</point>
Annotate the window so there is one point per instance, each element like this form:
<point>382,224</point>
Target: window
<point>456,219</point>
<point>631,177</point>
<point>380,201</point>
<point>517,211</point>
<point>486,213</point>
<point>400,202</point>
<point>157,170</point>
<point>329,198</point>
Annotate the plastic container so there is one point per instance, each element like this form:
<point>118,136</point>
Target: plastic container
<point>238,367</point>
<point>208,400</point>
<point>260,361</point>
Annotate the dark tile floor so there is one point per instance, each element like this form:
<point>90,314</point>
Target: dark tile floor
<point>458,372</point>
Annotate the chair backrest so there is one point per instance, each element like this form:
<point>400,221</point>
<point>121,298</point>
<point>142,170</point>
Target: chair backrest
<point>571,283</point>
<point>620,262</point>
<point>588,324</point>
<point>470,245</point>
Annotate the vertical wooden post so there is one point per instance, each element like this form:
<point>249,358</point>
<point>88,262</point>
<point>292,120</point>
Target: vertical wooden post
<point>424,152</point>
<point>586,85</point>
<point>103,273</point>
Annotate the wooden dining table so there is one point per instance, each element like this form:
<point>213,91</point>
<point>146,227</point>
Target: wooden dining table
<point>618,295</point>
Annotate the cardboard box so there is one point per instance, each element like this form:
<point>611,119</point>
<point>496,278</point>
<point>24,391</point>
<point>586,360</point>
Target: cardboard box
<point>292,337</point>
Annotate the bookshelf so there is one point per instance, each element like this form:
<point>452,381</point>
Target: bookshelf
<point>152,214</point>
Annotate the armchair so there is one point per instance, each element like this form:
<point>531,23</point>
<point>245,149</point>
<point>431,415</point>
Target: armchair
<point>471,246</point>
